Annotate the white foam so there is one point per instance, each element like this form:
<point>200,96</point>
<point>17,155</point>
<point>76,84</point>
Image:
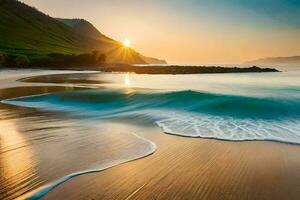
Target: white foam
<point>227,128</point>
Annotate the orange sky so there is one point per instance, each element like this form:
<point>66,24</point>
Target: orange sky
<point>191,32</point>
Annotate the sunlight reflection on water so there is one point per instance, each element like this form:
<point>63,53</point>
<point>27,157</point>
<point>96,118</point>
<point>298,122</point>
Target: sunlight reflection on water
<point>17,159</point>
<point>127,80</point>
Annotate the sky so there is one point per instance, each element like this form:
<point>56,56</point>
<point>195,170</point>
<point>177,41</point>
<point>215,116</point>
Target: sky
<point>192,31</point>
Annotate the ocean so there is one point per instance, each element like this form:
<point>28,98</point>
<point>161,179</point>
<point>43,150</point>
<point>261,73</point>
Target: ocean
<point>76,127</point>
<point>238,107</point>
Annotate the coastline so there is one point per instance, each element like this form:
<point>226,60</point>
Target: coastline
<point>16,88</point>
<point>187,168</point>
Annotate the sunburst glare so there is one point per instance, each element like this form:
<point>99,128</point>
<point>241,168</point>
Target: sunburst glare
<point>126,43</point>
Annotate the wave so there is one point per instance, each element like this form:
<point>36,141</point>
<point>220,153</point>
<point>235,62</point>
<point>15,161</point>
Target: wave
<point>197,102</point>
<point>150,148</point>
<point>185,113</point>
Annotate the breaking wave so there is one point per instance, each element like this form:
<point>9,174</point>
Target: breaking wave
<point>185,113</point>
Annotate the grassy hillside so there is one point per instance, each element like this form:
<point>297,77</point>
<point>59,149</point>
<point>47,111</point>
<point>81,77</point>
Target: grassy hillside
<point>26,31</point>
<point>85,28</point>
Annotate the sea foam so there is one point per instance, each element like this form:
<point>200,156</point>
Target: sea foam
<point>228,128</point>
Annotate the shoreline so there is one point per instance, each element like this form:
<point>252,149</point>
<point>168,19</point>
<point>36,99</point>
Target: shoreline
<point>193,168</point>
<point>39,89</point>
<point>42,191</point>
<point>189,168</point>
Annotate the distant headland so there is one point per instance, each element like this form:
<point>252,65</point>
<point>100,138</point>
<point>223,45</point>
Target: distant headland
<point>293,60</point>
<point>170,69</point>
<point>177,69</point>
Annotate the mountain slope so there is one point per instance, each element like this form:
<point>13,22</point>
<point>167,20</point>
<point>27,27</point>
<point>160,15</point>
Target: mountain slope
<point>115,51</point>
<point>83,27</point>
<point>277,60</point>
<point>25,30</point>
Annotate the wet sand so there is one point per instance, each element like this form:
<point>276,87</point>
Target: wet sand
<point>181,168</point>
<point>192,168</point>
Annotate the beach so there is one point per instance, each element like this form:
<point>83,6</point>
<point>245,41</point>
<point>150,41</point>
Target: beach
<point>187,168</point>
<point>40,146</point>
<point>149,100</point>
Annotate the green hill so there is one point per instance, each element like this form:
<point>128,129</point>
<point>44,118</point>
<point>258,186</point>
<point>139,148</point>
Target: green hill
<point>84,28</point>
<point>26,31</point>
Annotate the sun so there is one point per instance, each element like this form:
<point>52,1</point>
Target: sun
<point>126,43</point>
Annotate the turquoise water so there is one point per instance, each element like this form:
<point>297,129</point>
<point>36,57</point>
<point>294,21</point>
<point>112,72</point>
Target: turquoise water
<point>237,107</point>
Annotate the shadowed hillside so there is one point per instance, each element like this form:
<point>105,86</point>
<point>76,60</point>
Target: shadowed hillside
<point>114,50</point>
